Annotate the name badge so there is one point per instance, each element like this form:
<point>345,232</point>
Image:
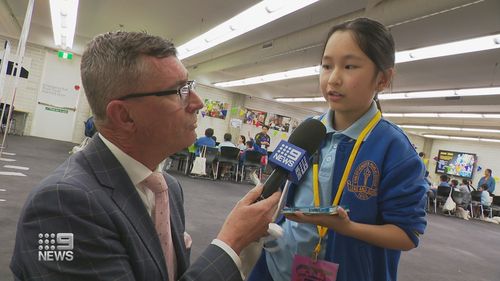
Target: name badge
<point>305,269</point>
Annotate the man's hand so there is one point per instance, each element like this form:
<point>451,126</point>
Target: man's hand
<point>248,221</point>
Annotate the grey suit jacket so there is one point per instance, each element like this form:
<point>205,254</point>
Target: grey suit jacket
<point>91,197</point>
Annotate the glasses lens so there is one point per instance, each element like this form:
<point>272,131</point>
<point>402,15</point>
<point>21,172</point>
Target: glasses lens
<point>185,90</point>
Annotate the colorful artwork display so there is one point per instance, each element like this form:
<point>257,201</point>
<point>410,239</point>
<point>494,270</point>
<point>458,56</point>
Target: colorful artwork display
<point>215,109</point>
<point>254,117</point>
<point>278,122</point>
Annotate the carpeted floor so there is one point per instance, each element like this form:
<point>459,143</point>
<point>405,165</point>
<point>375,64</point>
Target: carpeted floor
<point>452,249</point>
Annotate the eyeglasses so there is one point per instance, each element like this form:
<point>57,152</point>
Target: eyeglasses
<point>183,92</point>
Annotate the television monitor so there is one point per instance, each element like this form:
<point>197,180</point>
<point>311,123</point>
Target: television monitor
<point>453,163</point>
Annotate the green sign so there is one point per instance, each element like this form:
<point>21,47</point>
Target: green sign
<point>65,55</point>
<point>55,109</point>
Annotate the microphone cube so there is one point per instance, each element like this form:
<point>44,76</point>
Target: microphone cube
<point>291,158</point>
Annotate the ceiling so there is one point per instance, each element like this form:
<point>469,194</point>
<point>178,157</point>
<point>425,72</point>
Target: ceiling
<point>297,42</point>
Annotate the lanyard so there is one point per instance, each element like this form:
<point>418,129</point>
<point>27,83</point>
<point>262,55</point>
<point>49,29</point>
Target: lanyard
<point>321,229</point>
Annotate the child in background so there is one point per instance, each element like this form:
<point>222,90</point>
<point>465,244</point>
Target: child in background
<point>382,184</point>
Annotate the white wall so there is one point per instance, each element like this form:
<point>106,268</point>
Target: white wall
<point>26,96</point>
<point>417,141</point>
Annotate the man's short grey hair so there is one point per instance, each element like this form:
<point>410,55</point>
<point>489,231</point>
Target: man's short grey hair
<point>113,65</point>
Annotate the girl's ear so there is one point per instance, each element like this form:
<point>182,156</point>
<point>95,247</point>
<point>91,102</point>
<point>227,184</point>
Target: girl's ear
<point>385,79</point>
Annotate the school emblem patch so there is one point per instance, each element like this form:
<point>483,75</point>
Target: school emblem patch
<point>365,180</point>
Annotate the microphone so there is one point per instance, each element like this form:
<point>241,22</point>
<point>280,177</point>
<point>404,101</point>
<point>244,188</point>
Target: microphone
<point>291,159</point>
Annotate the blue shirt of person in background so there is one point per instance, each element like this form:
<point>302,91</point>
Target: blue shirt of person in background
<point>207,140</point>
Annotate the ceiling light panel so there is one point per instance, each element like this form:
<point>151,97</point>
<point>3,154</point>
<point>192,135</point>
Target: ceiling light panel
<point>250,19</point>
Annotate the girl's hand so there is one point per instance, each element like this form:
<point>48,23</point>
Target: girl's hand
<point>339,222</point>
<point>387,236</point>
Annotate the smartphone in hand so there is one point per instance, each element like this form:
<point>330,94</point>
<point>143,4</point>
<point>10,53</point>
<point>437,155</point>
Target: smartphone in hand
<point>329,210</point>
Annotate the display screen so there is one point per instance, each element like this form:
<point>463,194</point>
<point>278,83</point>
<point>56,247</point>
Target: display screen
<point>459,164</point>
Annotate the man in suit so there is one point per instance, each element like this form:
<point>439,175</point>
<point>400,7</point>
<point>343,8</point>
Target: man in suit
<point>93,218</point>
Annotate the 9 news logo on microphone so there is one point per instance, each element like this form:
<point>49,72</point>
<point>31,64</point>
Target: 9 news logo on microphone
<point>290,158</point>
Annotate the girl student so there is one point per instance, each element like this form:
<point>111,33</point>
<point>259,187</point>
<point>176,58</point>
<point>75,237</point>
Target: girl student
<point>366,164</point>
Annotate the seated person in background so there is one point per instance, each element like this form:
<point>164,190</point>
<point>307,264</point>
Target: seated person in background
<point>485,196</point>
<point>465,189</point>
<point>207,140</point>
<point>443,181</point>
<point>465,186</point>
<point>454,184</point>
<point>485,200</point>
<point>227,141</point>
<point>242,142</point>
<point>249,147</point>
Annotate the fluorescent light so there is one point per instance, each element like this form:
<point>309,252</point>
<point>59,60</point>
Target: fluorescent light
<point>393,115</point>
<point>444,128</point>
<point>437,137</point>
<point>302,72</point>
<point>459,138</point>
<point>480,130</point>
<point>420,115</point>
<point>490,140</point>
<point>461,115</point>
<point>444,115</point>
<point>453,48</point>
<point>489,91</point>
<point>63,14</point>
<point>413,127</point>
<point>316,99</point>
<point>252,18</point>
<point>423,127</point>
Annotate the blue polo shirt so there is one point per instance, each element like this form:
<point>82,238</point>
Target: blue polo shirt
<point>301,238</point>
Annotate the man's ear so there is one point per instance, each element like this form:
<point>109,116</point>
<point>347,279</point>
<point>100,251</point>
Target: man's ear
<point>118,114</point>
<point>385,79</point>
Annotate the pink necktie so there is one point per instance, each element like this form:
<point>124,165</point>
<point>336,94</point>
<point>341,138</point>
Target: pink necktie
<point>161,217</point>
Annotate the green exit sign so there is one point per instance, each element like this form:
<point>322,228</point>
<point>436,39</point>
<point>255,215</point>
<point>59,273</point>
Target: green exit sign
<point>65,55</point>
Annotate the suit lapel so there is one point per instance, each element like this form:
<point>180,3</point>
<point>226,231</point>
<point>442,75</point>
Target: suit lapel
<point>111,174</point>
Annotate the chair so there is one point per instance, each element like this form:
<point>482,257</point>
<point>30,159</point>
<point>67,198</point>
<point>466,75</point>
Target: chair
<point>212,154</point>
<point>184,159</point>
<point>252,160</point>
<point>476,201</point>
<point>458,197</point>
<point>495,205</point>
<point>229,155</point>
<point>441,195</point>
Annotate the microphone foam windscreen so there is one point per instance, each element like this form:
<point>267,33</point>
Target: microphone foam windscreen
<point>308,135</point>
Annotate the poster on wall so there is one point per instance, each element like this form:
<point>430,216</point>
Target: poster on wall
<point>215,109</point>
<point>278,122</point>
<point>255,117</point>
